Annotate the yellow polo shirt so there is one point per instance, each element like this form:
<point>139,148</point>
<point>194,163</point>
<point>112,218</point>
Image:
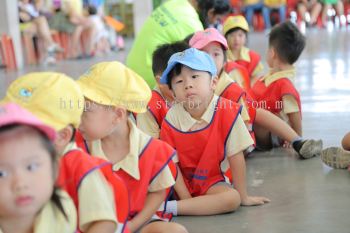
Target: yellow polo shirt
<point>237,77</point>
<point>147,123</point>
<point>51,219</point>
<point>238,140</point>
<point>244,55</point>
<point>290,104</point>
<point>69,6</point>
<point>223,82</point>
<point>250,2</point>
<point>274,3</point>
<point>97,207</point>
<point>130,164</point>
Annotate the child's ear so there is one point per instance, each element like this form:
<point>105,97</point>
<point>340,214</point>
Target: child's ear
<point>157,77</point>
<point>214,82</point>
<point>64,136</point>
<point>211,15</point>
<point>273,53</point>
<point>119,114</point>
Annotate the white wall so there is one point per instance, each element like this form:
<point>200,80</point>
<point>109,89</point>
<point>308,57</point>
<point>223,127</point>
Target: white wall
<point>9,24</point>
<point>142,9</point>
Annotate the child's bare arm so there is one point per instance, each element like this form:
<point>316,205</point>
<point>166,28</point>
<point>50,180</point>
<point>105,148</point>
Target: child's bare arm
<point>102,226</point>
<point>238,169</point>
<point>295,122</point>
<point>180,186</point>
<point>152,204</point>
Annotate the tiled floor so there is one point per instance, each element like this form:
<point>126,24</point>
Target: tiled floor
<point>306,196</point>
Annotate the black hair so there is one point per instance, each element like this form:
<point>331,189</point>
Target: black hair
<point>219,6</point>
<point>236,29</point>
<point>74,130</point>
<point>91,10</point>
<point>287,41</point>
<point>188,38</point>
<point>174,72</point>
<point>49,147</point>
<point>163,53</point>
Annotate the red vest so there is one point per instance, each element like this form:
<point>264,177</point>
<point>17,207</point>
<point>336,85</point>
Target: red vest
<point>234,92</point>
<point>152,160</point>
<point>250,66</point>
<point>229,66</point>
<point>270,97</point>
<point>76,164</point>
<point>156,153</point>
<point>158,107</point>
<point>201,152</point>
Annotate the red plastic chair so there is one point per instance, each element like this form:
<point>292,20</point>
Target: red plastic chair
<point>8,53</point>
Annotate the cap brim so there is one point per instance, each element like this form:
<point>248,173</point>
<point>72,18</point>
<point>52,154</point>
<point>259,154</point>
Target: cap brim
<point>46,130</point>
<point>194,66</point>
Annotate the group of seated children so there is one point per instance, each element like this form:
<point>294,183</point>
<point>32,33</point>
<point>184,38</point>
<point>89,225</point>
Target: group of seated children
<point>185,155</point>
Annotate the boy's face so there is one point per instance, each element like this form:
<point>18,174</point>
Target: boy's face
<point>26,173</point>
<point>96,121</point>
<point>192,87</point>
<point>215,50</point>
<point>236,40</point>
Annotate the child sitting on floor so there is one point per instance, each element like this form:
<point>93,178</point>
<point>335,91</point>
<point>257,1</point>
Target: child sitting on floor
<point>209,136</point>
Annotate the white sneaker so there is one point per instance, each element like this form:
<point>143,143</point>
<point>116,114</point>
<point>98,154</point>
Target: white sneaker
<point>55,48</point>
<point>50,60</point>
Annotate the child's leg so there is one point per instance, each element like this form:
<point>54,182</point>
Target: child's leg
<point>302,10</point>
<point>339,8</point>
<point>315,12</point>
<point>163,227</point>
<point>219,199</point>
<point>76,40</point>
<point>266,14</point>
<point>263,137</point>
<point>275,125</point>
<point>266,122</point>
<point>326,7</point>
<point>249,12</point>
<point>346,142</point>
<point>282,13</point>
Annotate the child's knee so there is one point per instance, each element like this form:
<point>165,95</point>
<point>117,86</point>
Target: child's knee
<point>230,200</point>
<point>176,228</point>
<point>164,227</point>
<point>346,142</point>
<point>235,199</point>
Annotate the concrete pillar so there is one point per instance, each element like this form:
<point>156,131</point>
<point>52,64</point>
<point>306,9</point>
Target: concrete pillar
<point>9,24</point>
<point>141,10</point>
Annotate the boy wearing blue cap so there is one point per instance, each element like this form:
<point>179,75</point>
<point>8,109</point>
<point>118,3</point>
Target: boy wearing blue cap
<point>209,136</point>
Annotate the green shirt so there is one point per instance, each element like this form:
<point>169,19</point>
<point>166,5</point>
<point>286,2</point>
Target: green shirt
<point>172,21</point>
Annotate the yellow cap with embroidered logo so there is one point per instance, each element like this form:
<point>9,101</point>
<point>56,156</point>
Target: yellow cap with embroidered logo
<point>113,84</point>
<point>237,21</point>
<point>54,98</point>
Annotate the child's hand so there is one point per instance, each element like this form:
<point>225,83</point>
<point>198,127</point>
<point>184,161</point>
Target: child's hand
<point>287,145</point>
<point>250,201</point>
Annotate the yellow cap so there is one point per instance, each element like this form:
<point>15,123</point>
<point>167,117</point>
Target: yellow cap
<point>237,21</point>
<point>112,83</point>
<point>53,97</point>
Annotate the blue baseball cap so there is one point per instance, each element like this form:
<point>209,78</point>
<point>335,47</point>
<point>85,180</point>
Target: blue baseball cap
<point>193,58</point>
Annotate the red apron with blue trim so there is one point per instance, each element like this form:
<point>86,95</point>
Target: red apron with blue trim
<point>152,160</point>
<point>158,107</point>
<point>271,96</point>
<point>201,152</point>
<point>76,165</point>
